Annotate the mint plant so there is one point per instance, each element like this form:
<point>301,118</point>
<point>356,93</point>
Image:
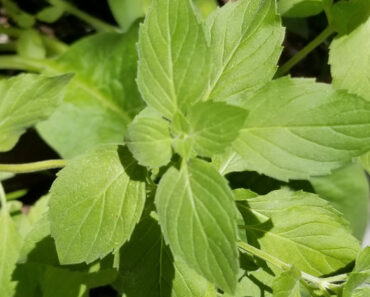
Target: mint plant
<point>191,164</point>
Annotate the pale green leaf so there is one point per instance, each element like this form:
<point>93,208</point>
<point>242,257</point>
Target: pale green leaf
<point>300,8</point>
<point>212,134</point>
<point>94,206</point>
<point>287,284</point>
<point>350,61</point>
<point>10,245</point>
<point>300,229</point>
<point>147,268</point>
<point>294,131</point>
<point>173,65</point>
<point>30,45</point>
<point>347,189</point>
<point>358,284</point>
<point>230,161</point>
<point>198,219</point>
<point>148,138</point>
<point>245,45</point>
<point>101,99</point>
<point>26,100</point>
<point>126,12</point>
<point>206,6</point>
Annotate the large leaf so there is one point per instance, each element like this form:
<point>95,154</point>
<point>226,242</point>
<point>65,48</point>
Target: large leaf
<point>101,99</point>
<point>173,65</point>
<point>294,130</point>
<point>94,206</point>
<point>245,45</point>
<point>348,191</point>
<point>26,100</point>
<point>300,229</point>
<point>147,268</point>
<point>287,284</point>
<point>300,8</point>
<point>350,62</point>
<point>198,219</point>
<point>148,138</point>
<point>211,134</point>
<point>10,245</point>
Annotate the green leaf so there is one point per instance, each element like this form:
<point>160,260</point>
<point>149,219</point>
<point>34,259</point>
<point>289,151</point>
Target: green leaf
<point>26,100</point>
<point>11,243</point>
<point>94,206</point>
<point>348,15</point>
<point>300,229</point>
<point>245,45</point>
<point>293,130</point>
<point>349,68</point>
<point>287,284</point>
<point>365,161</point>
<point>212,134</point>
<point>300,8</point>
<point>148,138</point>
<point>173,65</point>
<point>22,19</point>
<point>50,14</point>
<point>358,284</point>
<point>126,12</point>
<point>198,219</point>
<point>206,6</point>
<point>348,191</point>
<point>30,45</point>
<point>147,268</point>
<point>228,162</point>
<point>102,97</point>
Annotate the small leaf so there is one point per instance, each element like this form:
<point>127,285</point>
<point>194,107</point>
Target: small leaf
<point>287,284</point>
<point>50,14</point>
<point>30,45</point>
<point>198,219</point>
<point>10,245</point>
<point>147,268</point>
<point>26,100</point>
<point>230,161</point>
<point>173,65</point>
<point>245,45</point>
<point>294,131</point>
<point>148,138</point>
<point>347,189</point>
<point>212,134</point>
<point>94,206</point>
<point>358,284</point>
<point>300,8</point>
<point>300,229</point>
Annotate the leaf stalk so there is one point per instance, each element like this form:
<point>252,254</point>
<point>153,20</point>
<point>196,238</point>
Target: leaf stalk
<point>32,167</point>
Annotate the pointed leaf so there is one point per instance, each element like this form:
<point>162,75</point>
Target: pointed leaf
<point>287,284</point>
<point>94,206</point>
<point>198,219</point>
<point>293,130</point>
<point>26,100</point>
<point>300,8</point>
<point>148,138</point>
<point>245,45</point>
<point>300,229</point>
<point>173,57</point>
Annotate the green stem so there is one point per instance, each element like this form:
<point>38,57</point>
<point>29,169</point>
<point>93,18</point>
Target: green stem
<point>284,69</point>
<point>55,46</point>
<point>321,283</point>
<point>3,198</point>
<point>20,63</point>
<point>94,22</point>
<point>12,32</point>
<point>32,167</point>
